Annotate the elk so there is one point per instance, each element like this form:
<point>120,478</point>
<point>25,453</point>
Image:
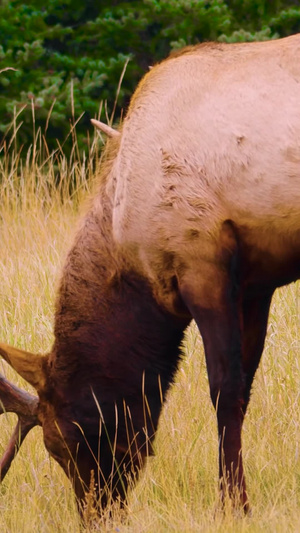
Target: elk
<point>196,215</point>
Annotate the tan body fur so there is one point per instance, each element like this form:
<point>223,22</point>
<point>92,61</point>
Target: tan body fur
<point>212,134</point>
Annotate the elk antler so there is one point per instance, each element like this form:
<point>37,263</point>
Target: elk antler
<point>108,130</point>
<point>25,406</point>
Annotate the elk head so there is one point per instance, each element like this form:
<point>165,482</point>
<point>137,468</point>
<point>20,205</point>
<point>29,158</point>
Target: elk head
<point>54,412</point>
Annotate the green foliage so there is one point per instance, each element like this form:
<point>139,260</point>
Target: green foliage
<point>261,19</point>
<point>69,55</point>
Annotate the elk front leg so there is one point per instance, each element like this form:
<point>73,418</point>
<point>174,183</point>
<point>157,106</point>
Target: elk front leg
<point>212,294</point>
<point>256,306</point>
<point>222,343</point>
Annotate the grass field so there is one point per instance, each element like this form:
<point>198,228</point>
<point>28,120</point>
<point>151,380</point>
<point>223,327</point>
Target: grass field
<point>177,490</point>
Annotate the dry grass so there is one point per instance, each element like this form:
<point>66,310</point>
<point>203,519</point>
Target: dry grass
<point>178,489</point>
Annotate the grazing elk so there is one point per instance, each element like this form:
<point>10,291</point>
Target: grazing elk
<point>196,216</point>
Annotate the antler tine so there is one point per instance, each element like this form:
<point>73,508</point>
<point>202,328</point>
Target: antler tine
<point>19,434</point>
<point>108,130</point>
<point>14,400</point>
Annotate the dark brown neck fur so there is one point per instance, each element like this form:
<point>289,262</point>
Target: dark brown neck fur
<point>110,333</point>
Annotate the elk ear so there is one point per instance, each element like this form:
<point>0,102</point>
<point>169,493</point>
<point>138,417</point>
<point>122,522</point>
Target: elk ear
<point>30,366</point>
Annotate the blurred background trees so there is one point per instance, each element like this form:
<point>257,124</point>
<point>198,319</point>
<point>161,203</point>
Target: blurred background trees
<point>69,55</point>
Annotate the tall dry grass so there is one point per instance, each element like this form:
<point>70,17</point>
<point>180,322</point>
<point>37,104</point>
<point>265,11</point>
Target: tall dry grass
<point>177,490</point>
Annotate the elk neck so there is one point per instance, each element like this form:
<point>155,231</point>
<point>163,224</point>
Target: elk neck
<point>108,325</point>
